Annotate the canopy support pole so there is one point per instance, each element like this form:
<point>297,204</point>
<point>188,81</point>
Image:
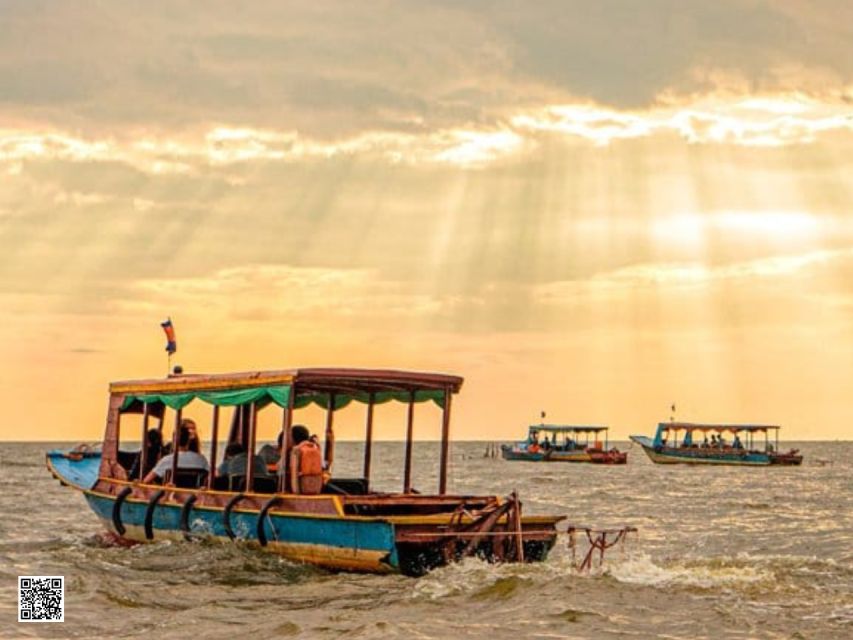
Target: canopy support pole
<point>143,451</point>
<point>175,442</point>
<point>368,438</point>
<point>250,450</point>
<point>214,436</point>
<point>286,446</point>
<point>407,477</point>
<point>445,440</point>
<point>329,453</point>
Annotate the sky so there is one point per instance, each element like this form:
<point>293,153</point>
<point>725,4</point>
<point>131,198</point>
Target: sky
<point>592,209</point>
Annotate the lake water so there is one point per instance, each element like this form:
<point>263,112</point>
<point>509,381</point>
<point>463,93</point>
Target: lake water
<point>721,552</point>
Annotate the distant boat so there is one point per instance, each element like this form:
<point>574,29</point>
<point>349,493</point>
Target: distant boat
<point>562,443</point>
<point>665,447</point>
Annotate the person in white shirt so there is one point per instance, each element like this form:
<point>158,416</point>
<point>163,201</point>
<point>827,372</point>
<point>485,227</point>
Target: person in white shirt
<point>187,458</point>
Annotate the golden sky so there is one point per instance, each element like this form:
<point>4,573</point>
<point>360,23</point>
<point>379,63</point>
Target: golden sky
<point>595,209</point>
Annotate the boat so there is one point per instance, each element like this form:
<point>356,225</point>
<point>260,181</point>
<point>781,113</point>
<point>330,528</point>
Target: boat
<point>665,447</point>
<point>347,526</point>
<point>562,443</point>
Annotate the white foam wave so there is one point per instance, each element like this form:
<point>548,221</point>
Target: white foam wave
<point>640,569</point>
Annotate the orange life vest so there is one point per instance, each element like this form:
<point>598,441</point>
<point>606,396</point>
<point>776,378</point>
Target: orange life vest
<point>310,469</point>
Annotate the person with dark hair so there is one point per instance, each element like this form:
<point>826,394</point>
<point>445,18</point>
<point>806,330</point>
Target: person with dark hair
<point>154,446</point>
<point>231,451</point>
<point>234,463</point>
<point>187,459</point>
<point>271,454</point>
<point>306,462</point>
<point>194,444</point>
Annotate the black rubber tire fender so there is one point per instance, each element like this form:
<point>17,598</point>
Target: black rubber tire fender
<point>226,514</point>
<point>149,514</point>
<point>185,515</point>
<point>117,523</point>
<point>262,534</point>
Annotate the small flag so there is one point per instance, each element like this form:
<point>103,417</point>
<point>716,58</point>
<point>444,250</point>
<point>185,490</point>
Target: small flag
<point>171,343</point>
<point>543,415</point>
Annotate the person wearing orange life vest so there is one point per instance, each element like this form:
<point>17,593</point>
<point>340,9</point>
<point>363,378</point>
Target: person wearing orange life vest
<point>306,463</point>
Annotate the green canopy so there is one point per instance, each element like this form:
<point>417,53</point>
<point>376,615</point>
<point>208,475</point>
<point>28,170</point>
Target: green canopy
<point>280,395</point>
<point>381,397</point>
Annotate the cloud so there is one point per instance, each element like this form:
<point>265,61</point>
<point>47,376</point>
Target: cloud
<point>684,275</point>
<point>333,71</point>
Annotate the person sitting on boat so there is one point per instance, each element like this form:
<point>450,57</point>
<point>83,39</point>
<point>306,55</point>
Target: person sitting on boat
<point>234,463</point>
<point>233,449</point>
<point>194,443</point>
<point>721,441</point>
<point>737,444</point>
<point>154,444</point>
<point>705,441</point>
<point>306,463</point>
<point>271,454</point>
<point>546,444</point>
<point>187,459</point>
<point>714,441</point>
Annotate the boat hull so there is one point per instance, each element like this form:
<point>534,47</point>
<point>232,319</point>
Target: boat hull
<point>317,530</point>
<point>700,456</point>
<point>332,543</point>
<point>556,455</point>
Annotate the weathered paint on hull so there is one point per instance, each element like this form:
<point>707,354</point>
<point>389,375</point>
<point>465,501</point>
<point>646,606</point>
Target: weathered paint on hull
<point>334,543</point>
<point>560,456</point>
<point>674,457</point>
<point>326,539</point>
<point>513,454</point>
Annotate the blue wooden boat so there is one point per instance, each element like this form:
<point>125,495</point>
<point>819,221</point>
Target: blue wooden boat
<point>665,447</point>
<point>564,443</point>
<point>348,526</point>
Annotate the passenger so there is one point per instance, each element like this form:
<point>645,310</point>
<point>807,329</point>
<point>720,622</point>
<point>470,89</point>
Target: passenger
<point>271,454</point>
<point>234,463</point>
<point>714,440</point>
<point>187,459</point>
<point>195,443</point>
<point>546,444</point>
<point>705,442</point>
<point>721,441</point>
<point>233,449</point>
<point>737,444</point>
<point>154,446</point>
<point>306,462</point>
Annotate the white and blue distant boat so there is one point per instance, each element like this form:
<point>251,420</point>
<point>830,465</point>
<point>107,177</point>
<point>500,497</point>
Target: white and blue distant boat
<point>665,447</point>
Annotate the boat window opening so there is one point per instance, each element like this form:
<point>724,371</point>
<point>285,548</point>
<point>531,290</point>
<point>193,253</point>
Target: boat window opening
<point>128,449</point>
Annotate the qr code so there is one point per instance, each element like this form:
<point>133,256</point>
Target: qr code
<point>41,598</point>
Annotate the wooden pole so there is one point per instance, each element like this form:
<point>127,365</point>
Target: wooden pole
<point>407,477</point>
<point>445,441</point>
<point>175,443</point>
<point>143,452</point>
<point>286,446</point>
<point>519,536</point>
<point>214,437</point>
<point>330,435</point>
<point>368,438</point>
<point>250,451</point>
